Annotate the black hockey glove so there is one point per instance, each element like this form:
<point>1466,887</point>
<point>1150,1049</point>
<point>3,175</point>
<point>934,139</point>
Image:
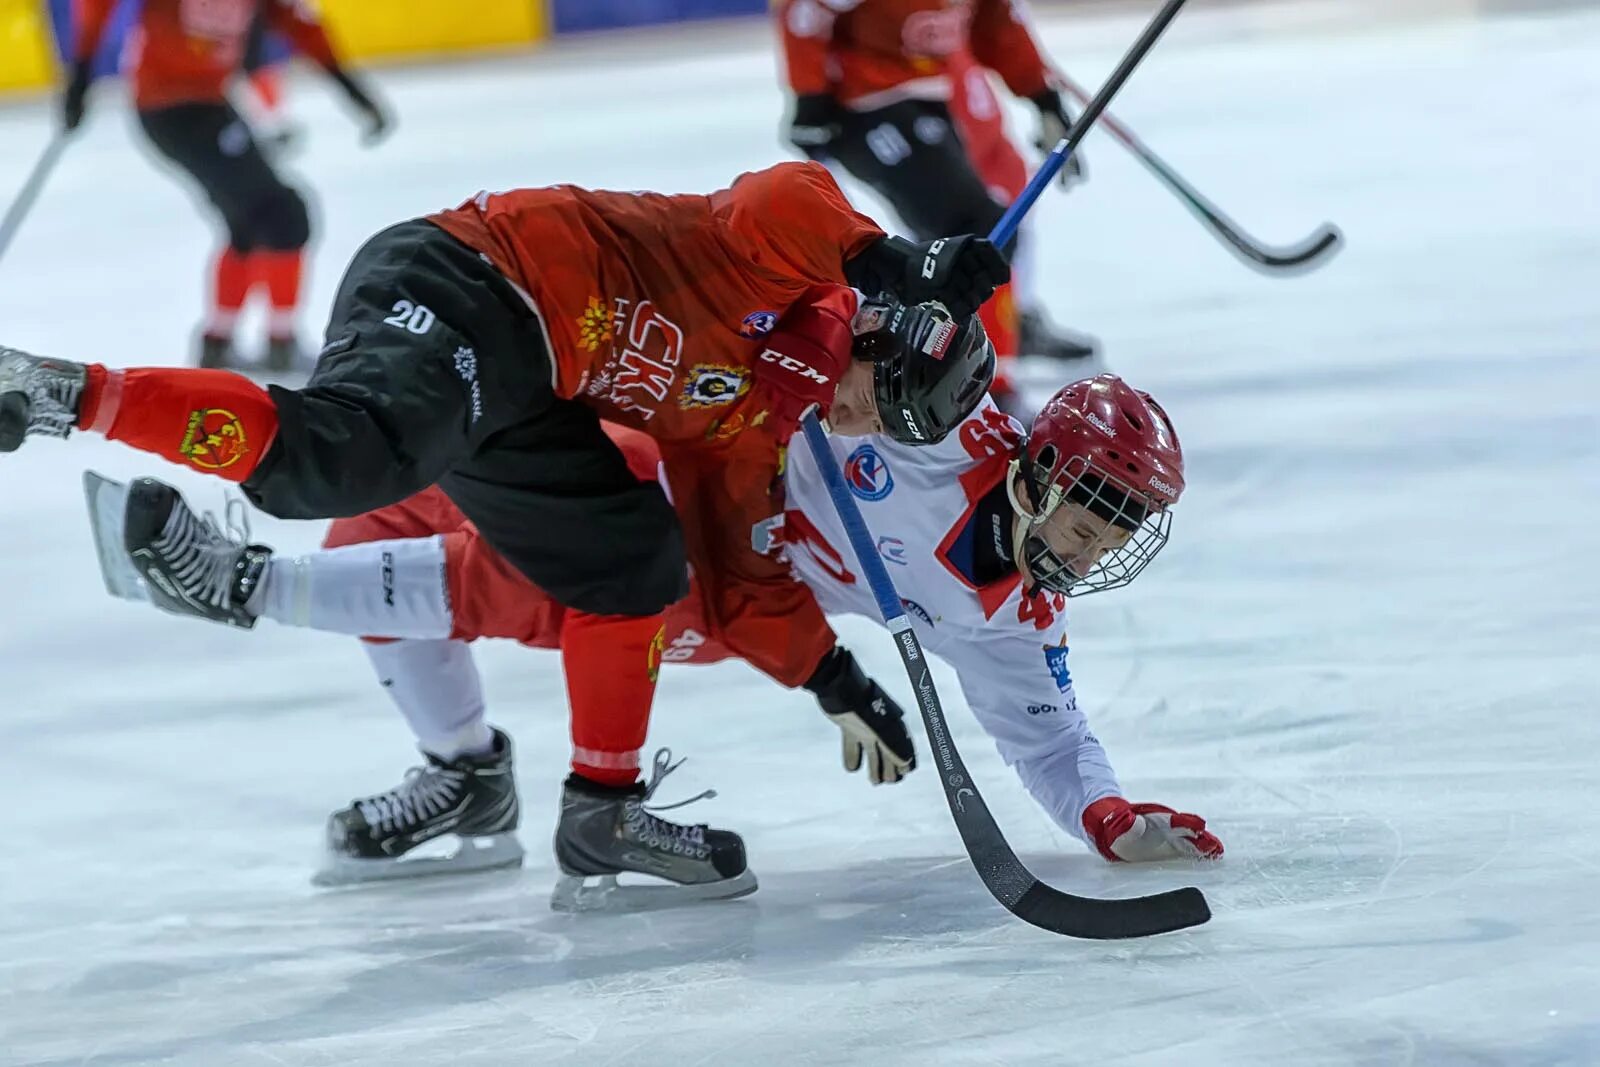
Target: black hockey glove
<point>959,272</point>
<point>375,122</point>
<point>871,723</point>
<point>76,96</point>
<point>1055,122</point>
<point>814,126</point>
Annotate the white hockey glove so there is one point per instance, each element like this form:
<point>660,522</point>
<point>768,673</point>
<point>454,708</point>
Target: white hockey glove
<point>1140,833</point>
<point>872,726</point>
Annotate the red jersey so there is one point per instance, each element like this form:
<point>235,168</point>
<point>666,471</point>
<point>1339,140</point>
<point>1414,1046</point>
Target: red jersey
<point>184,51</point>
<point>871,53</point>
<point>653,306</point>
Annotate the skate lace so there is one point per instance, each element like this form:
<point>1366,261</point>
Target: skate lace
<point>201,554</point>
<point>678,838</point>
<point>425,793</point>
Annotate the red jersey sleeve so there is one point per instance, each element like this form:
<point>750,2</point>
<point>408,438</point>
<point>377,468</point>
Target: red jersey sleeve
<point>1001,41</point>
<point>295,21</point>
<point>90,18</point>
<point>793,220</point>
<point>805,28</point>
<point>753,605</point>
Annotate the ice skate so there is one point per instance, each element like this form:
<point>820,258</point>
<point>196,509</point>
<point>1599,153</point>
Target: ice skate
<point>216,353</point>
<point>190,566</point>
<point>469,802</point>
<point>284,354</point>
<point>606,831</point>
<point>38,397</point>
<point>1038,337</point>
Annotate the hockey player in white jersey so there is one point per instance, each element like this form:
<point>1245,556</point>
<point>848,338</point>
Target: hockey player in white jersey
<point>989,532</point>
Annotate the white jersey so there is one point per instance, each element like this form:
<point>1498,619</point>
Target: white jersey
<point>1009,651</point>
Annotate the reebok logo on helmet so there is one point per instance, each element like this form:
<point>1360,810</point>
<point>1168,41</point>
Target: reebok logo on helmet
<point>1161,486</point>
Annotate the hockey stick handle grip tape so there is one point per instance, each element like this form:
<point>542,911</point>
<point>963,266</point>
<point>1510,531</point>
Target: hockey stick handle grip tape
<point>1006,228</point>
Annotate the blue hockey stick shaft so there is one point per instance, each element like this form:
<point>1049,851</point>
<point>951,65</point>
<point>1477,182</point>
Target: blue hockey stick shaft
<point>1006,228</point>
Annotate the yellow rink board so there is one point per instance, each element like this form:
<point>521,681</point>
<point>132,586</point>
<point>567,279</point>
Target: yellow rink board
<point>361,29</point>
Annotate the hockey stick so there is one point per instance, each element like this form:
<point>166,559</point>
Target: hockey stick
<point>1012,884</point>
<point>1303,255</point>
<point>30,191</point>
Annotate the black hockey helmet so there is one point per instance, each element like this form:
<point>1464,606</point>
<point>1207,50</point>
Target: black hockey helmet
<point>938,373</point>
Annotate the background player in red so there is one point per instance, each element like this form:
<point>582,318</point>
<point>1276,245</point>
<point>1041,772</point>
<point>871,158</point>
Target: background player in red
<point>477,350</point>
<point>182,57</point>
<point>897,91</point>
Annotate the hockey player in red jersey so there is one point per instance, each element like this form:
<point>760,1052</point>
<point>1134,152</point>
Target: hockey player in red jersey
<point>183,56</point>
<point>898,92</point>
<point>477,349</point>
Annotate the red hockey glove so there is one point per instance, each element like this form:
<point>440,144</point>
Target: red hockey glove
<point>800,362</point>
<point>1139,833</point>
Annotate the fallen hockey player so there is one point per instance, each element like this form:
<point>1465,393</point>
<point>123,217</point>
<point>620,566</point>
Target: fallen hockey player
<point>994,531</point>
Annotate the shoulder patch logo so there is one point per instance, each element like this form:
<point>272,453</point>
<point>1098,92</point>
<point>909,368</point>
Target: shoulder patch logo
<point>867,474</point>
<point>758,324</point>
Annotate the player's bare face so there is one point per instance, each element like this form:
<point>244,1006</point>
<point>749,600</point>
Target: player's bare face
<point>1076,535</point>
<point>855,408</point>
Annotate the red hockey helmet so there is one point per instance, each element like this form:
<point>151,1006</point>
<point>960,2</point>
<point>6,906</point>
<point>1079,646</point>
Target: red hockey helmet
<point>1109,449</point>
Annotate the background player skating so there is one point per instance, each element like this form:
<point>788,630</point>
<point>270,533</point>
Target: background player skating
<point>897,91</point>
<point>184,55</point>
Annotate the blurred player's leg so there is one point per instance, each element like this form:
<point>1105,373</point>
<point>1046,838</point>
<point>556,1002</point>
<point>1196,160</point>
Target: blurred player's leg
<point>267,221</point>
<point>911,153</point>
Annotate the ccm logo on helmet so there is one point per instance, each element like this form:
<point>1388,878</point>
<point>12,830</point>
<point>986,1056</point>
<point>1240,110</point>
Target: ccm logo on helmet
<point>911,424</point>
<point>794,366</point>
<point>1161,486</point>
<point>930,262</point>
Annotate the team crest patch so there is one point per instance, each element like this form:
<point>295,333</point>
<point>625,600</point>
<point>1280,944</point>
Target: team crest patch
<point>595,325</point>
<point>214,439</point>
<point>710,384</point>
<point>867,474</point>
<point>758,324</point>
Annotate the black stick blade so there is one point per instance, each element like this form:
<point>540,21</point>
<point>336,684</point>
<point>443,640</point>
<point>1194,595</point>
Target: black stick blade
<point>1111,920</point>
<point>1307,255</point>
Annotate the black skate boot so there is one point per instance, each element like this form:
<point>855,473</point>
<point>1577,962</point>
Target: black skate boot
<point>283,354</point>
<point>1036,336</point>
<point>216,353</point>
<point>38,397</point>
<point>472,798</point>
<point>189,565</point>
<point>605,831</point>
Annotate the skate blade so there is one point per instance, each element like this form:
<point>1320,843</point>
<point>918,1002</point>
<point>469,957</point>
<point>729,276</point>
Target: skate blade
<point>108,503</point>
<point>573,893</point>
<point>472,854</point>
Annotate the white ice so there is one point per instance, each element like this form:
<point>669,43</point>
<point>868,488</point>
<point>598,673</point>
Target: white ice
<point>1369,657</point>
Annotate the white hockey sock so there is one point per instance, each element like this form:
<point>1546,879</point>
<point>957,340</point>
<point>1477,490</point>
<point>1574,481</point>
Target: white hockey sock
<point>435,685</point>
<point>377,589</point>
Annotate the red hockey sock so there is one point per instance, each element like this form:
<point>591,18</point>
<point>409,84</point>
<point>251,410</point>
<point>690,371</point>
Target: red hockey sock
<point>281,272</point>
<point>231,282</point>
<point>212,420</point>
<point>611,663</point>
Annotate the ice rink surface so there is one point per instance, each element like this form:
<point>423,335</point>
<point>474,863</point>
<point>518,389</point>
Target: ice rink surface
<point>1369,656</point>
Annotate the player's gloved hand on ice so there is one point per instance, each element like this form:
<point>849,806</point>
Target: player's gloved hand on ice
<point>814,125</point>
<point>959,272</point>
<point>1055,121</point>
<point>375,121</point>
<point>872,724</point>
<point>75,98</point>
<point>1139,833</point>
<point>802,359</point>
